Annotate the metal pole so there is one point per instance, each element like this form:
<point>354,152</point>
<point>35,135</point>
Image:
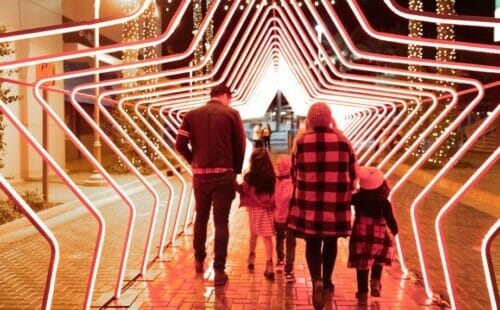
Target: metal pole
<point>278,111</point>
<point>45,144</point>
<point>97,140</point>
<point>96,179</point>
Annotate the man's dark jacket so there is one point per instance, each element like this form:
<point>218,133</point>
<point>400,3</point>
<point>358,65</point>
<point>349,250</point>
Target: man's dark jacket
<point>217,137</point>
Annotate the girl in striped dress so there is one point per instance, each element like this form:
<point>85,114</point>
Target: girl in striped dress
<point>257,194</point>
<point>371,245</point>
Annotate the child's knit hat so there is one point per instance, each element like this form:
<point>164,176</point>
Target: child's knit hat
<point>283,165</point>
<point>370,177</point>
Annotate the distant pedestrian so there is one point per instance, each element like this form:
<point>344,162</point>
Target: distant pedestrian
<point>217,139</point>
<point>371,245</point>
<point>257,136</point>
<point>257,194</point>
<point>283,194</point>
<point>266,137</point>
<point>323,170</point>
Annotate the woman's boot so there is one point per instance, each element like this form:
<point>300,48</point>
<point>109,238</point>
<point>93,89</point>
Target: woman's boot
<point>375,287</point>
<point>318,299</point>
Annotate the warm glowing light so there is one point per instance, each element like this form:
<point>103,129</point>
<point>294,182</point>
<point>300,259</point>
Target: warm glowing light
<point>270,48</point>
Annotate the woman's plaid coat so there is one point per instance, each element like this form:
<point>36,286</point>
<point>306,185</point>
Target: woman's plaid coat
<point>323,171</point>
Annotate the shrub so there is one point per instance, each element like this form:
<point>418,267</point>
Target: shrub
<point>7,211</point>
<point>10,212</point>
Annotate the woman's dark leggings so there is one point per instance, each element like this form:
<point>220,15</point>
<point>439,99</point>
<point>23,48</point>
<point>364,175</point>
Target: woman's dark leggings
<point>362,276</point>
<point>318,257</point>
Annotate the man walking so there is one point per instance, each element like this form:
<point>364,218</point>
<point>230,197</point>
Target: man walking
<point>217,139</point>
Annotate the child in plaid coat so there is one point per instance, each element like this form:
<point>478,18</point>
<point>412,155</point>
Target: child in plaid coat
<point>371,245</point>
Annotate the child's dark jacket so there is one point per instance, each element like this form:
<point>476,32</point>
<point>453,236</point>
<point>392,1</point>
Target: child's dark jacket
<point>370,241</point>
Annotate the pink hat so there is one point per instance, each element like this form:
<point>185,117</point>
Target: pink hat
<point>370,177</point>
<point>283,165</point>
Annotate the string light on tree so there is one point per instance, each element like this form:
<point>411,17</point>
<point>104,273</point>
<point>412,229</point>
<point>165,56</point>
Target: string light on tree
<point>209,35</point>
<point>197,18</point>
<point>416,30</point>
<point>130,33</point>
<point>142,27</point>
<point>445,32</point>
<point>415,52</point>
<point>150,24</point>
<point>200,8</point>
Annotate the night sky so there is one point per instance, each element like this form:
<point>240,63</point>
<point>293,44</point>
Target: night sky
<point>484,8</point>
<point>382,19</point>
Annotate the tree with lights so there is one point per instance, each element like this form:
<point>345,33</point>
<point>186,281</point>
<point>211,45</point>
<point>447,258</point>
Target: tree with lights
<point>415,52</point>
<point>416,30</point>
<point>5,96</point>
<point>143,27</point>
<point>200,7</point>
<point>445,32</point>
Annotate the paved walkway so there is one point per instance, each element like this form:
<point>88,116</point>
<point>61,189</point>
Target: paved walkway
<point>178,286</point>
<point>464,229</point>
<point>24,258</point>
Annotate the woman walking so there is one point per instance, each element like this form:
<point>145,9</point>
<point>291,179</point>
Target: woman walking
<point>323,171</point>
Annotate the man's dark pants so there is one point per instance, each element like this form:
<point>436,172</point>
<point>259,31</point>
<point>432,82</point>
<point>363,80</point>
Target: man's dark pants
<point>215,189</point>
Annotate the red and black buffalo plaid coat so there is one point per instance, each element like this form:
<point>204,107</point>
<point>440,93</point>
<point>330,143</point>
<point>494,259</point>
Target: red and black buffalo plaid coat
<point>323,171</point>
<point>371,242</point>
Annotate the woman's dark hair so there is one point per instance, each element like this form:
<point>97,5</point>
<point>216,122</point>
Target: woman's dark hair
<point>261,175</point>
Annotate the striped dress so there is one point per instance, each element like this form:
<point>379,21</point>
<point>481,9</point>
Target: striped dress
<point>323,170</point>
<point>260,210</point>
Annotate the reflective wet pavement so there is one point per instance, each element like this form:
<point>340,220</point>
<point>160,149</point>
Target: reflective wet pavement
<point>173,284</point>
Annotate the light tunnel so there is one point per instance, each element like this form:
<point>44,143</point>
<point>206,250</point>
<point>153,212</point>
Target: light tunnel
<point>304,51</point>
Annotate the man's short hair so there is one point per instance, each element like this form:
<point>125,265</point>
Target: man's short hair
<point>220,90</point>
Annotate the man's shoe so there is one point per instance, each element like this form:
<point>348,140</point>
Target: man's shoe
<point>220,278</point>
<point>199,266</point>
<point>362,298</point>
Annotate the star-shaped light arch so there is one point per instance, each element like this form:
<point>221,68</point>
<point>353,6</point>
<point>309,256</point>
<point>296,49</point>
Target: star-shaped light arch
<point>261,48</point>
